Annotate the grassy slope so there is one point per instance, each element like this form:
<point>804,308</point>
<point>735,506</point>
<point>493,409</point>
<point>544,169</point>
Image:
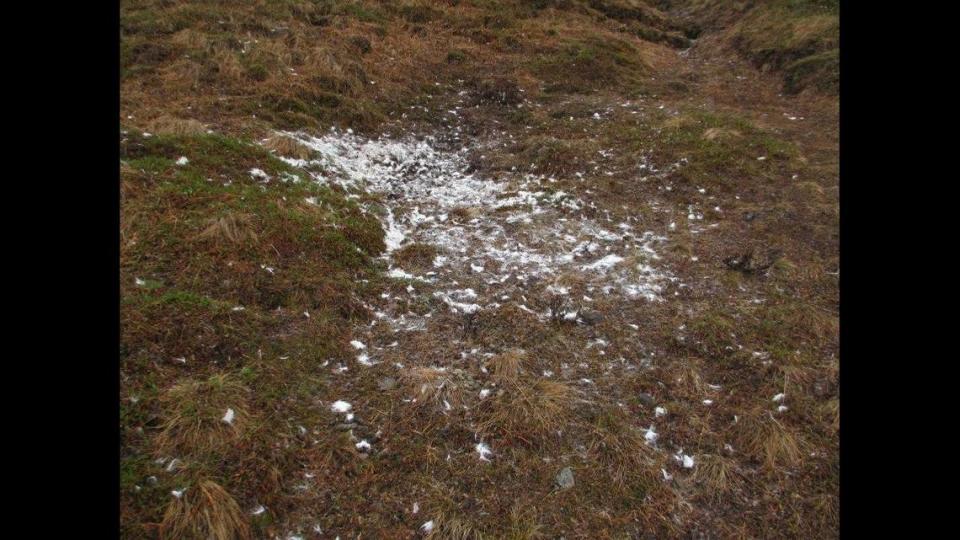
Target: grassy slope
<point>199,238</point>
<point>798,38</point>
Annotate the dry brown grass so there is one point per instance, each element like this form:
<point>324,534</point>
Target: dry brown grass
<point>232,227</point>
<point>717,474</point>
<point>622,452</point>
<point>529,411</point>
<point>433,388</point>
<point>285,146</point>
<point>767,440</point>
<point>170,125</point>
<point>507,366</point>
<point>344,67</point>
<point>454,528</point>
<point>415,256</point>
<point>524,524</point>
<point>193,416</point>
<point>686,377</point>
<point>830,412</point>
<point>207,512</point>
<point>720,133</point>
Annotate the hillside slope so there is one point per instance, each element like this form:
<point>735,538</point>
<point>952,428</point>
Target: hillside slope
<point>476,269</point>
<point>799,39</point>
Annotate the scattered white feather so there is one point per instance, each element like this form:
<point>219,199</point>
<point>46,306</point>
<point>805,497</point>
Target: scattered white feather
<point>340,406</point>
<point>484,451</point>
<point>228,417</point>
<point>183,160</point>
<point>427,527</point>
<point>259,173</point>
<point>357,345</point>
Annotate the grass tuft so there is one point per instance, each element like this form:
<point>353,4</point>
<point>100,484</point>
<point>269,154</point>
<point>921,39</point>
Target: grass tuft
<point>768,441</point>
<point>233,227</point>
<point>205,511</point>
<point>508,366</point>
<point>528,412</point>
<point>193,416</point>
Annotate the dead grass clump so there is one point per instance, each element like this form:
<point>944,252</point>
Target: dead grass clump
<point>717,474</point>
<point>508,366</point>
<point>768,441</point>
<point>232,227</point>
<point>509,324</point>
<point>287,147</point>
<point>687,378</point>
<point>453,528</point>
<point>523,523</point>
<point>432,387</point>
<point>549,155</point>
<point>529,411</point>
<point>196,415</point>
<point>830,412</point>
<point>169,125</point>
<point>206,511</point>
<point>497,91</point>
<point>720,133</point>
<point>623,453</point>
<point>223,67</point>
<point>415,256</point>
<point>190,38</point>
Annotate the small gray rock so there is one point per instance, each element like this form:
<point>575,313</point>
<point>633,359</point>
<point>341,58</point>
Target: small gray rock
<point>564,479</point>
<point>387,383</point>
<point>647,399</point>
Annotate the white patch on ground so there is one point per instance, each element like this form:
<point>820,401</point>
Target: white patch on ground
<point>514,231</point>
<point>340,406</point>
<point>484,451</point>
<point>650,436</point>
<point>259,173</point>
<point>685,460</point>
<point>228,417</point>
